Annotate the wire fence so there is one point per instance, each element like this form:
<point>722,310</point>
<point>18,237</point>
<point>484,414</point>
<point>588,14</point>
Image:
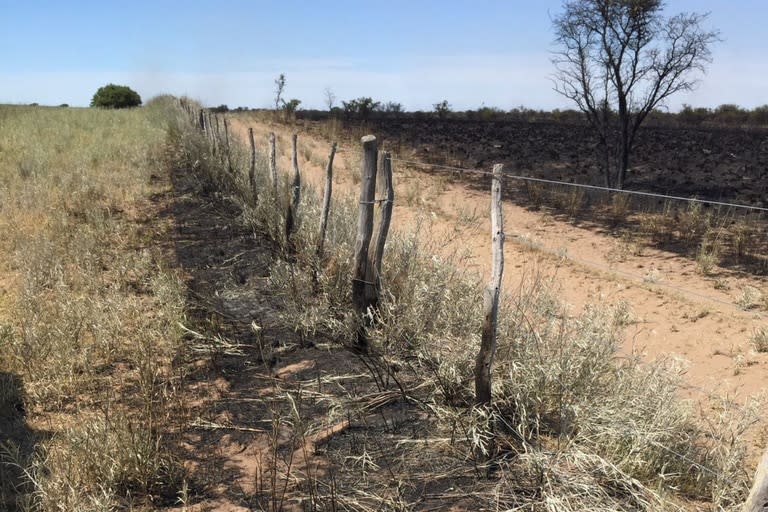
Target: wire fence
<point>589,263</point>
<point>729,234</point>
<point>584,186</point>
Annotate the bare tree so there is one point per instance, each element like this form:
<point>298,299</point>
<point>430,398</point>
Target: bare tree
<point>279,88</point>
<point>620,59</point>
<point>330,98</point>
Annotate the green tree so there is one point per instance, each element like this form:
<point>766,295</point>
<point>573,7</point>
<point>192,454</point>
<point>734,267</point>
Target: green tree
<point>291,106</point>
<point>362,107</point>
<point>116,96</point>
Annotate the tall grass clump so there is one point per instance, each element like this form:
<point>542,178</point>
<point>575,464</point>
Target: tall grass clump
<point>88,311</point>
<point>578,423</point>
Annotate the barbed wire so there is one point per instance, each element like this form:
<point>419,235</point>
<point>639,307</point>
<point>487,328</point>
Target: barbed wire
<point>584,186</point>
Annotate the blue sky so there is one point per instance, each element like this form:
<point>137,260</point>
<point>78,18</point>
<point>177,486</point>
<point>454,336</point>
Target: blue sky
<point>472,53</point>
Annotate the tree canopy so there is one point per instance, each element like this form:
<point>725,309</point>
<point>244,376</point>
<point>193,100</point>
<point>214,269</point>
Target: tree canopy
<point>115,96</point>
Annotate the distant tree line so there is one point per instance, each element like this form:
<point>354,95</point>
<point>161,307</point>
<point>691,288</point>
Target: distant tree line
<point>727,115</point>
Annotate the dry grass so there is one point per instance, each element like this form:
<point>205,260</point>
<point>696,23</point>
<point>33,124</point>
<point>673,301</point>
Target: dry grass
<point>575,425</point>
<point>87,314</point>
<point>759,339</point>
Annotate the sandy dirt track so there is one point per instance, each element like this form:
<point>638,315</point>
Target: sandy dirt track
<point>678,312</point>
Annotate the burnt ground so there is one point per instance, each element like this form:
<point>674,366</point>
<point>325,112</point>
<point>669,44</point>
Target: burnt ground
<point>716,164</point>
<point>711,163</point>
<point>277,421</point>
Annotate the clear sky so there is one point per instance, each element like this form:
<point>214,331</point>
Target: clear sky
<point>416,52</point>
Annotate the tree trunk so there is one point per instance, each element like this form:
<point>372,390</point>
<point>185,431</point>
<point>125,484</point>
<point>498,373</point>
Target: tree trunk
<point>607,171</point>
<point>623,160</point>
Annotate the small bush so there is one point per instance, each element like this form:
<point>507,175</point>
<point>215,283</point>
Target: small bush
<point>759,339</point>
<point>116,96</point>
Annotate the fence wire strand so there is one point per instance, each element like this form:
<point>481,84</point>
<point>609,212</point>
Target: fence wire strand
<point>584,186</point>
<point>594,264</point>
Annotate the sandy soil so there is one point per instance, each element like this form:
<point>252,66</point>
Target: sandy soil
<point>677,311</point>
<point>256,376</point>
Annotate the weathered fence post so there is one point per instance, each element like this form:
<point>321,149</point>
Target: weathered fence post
<point>758,496</point>
<point>326,201</point>
<point>491,296</point>
<point>363,287</point>
<point>386,216</point>
<point>226,144</point>
<point>211,131</point>
<point>252,167</point>
<point>201,121</point>
<point>272,161</point>
<point>293,203</point>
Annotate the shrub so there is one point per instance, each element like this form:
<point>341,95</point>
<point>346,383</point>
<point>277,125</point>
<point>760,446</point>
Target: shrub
<point>442,109</point>
<point>759,339</point>
<point>291,106</point>
<point>116,96</point>
<point>361,107</point>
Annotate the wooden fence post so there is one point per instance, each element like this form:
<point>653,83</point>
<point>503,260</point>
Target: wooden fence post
<point>484,360</point>
<point>226,143</point>
<point>293,203</point>
<point>201,121</point>
<point>363,287</point>
<point>386,216</point>
<point>211,131</point>
<point>326,201</point>
<point>252,167</point>
<point>272,161</point>
<point>758,496</point>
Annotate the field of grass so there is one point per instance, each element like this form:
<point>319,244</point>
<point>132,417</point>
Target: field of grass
<point>88,311</point>
<point>93,362</point>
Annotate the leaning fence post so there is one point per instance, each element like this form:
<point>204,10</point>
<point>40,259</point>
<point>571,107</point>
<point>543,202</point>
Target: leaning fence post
<point>326,201</point>
<point>758,496</point>
<point>491,296</point>
<point>293,203</point>
<point>363,287</point>
<point>386,215</point>
<point>272,161</point>
<point>252,167</point>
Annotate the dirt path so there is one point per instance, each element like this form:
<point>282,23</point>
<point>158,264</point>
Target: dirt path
<point>677,311</point>
<point>274,421</point>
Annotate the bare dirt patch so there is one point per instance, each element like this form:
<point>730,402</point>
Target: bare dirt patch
<point>280,421</point>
